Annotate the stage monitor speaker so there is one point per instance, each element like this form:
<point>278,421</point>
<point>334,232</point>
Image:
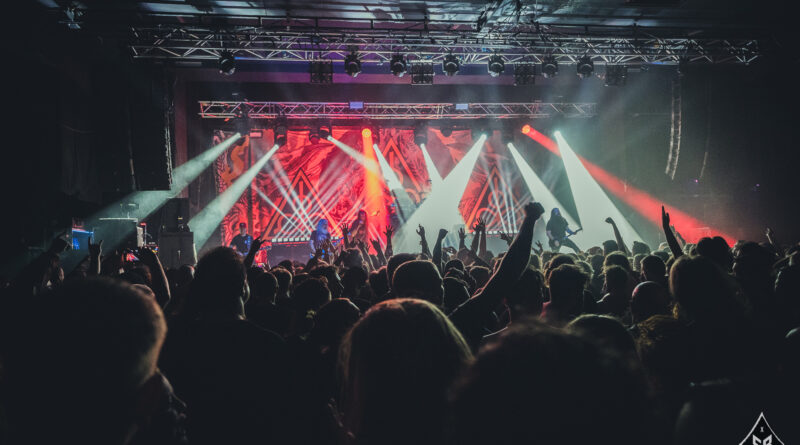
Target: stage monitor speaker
<point>175,215</point>
<point>176,249</point>
<point>151,122</point>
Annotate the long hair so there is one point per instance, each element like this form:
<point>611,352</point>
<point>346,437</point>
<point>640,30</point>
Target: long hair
<point>396,365</point>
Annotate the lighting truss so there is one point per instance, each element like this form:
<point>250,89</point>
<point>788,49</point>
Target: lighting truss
<point>277,44</point>
<point>422,73</point>
<point>336,110</point>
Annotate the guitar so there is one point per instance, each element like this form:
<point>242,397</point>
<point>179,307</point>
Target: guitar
<point>557,243</point>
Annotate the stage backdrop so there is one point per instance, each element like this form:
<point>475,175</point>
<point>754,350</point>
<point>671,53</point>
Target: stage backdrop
<point>305,182</point>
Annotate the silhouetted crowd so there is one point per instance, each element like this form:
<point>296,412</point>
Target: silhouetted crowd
<point>684,344</point>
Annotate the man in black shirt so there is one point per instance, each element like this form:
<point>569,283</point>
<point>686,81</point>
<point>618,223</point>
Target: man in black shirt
<point>557,229</point>
<point>241,242</point>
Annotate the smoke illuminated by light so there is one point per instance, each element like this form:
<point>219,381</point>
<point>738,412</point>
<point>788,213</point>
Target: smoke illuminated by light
<point>374,201</point>
<point>440,209</point>
<point>204,223</point>
<point>539,191</point>
<point>433,173</point>
<point>593,205</point>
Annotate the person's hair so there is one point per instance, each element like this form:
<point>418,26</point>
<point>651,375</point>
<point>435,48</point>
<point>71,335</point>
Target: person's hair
<point>616,279</point>
<point>606,331</point>
<point>418,279</point>
<point>596,262</point>
<point>263,288</point>
<point>219,284</point>
<point>662,254</point>
<point>640,248</point>
<point>397,364</point>
<point>455,263</point>
<point>665,347</point>
<point>567,283</point>
<point>81,359</point>
<point>378,282</point>
<point>394,262</point>
<point>456,292</point>
<point>637,261</point>
<point>609,246</point>
<point>717,250</point>
<point>703,292</point>
<point>535,261</point>
<point>307,298</point>
<point>242,224</point>
<point>332,321</point>
<point>617,259</point>
<point>480,274</point>
<point>527,294</point>
<point>586,267</point>
<point>557,260</point>
<point>284,278</point>
<point>649,298</point>
<point>535,384</point>
<point>653,268</point>
<point>288,265</point>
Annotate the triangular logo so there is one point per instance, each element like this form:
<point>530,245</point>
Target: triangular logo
<point>761,434</point>
<point>309,207</point>
<point>401,168</point>
<point>495,201</point>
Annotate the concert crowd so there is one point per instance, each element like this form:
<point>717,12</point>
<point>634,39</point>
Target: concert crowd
<point>622,343</point>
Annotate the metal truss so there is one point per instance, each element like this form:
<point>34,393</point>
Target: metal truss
<point>328,110</point>
<point>378,46</point>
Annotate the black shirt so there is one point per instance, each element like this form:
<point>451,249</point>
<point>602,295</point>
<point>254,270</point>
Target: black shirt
<point>557,226</point>
<point>242,243</point>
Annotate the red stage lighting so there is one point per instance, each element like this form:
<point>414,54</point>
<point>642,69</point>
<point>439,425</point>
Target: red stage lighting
<point>526,129</point>
<point>366,132</point>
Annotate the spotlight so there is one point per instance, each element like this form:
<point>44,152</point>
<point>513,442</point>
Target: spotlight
<point>524,73</point>
<point>366,132</point>
<point>226,63</point>
<point>616,75</point>
<point>526,129</point>
<point>446,128</point>
<point>496,65</point>
<point>480,128</point>
<point>421,133</point>
<point>325,131</point>
<point>585,67</point>
<point>398,65</point>
<point>549,66</point>
<point>321,71</point>
<point>352,65</point>
<point>451,65</point>
<point>281,128</point>
<point>313,134</point>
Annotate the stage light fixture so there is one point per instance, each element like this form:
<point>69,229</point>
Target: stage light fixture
<point>616,75</point>
<point>226,63</point>
<point>352,64</point>
<point>446,128</point>
<point>451,65</point>
<point>549,66</point>
<point>313,134</point>
<point>421,133</point>
<point>321,71</point>
<point>524,73</point>
<point>585,67</point>
<point>398,65</point>
<point>526,129</point>
<point>422,73</point>
<point>366,133</point>
<point>495,65</point>
<point>325,130</point>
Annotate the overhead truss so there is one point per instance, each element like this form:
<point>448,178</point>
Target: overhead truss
<point>378,46</point>
<point>336,110</point>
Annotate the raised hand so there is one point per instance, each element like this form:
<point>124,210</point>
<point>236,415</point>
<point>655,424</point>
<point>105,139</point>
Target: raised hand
<point>534,210</point>
<point>539,246</point>
<point>256,244</point>
<point>147,256</point>
<point>361,245</point>
<point>769,233</point>
<point>421,231</point>
<point>609,220</point>
<point>505,237</point>
<point>389,232</point>
<point>95,250</point>
<point>376,245</point>
<point>344,228</point>
<point>462,235</point>
<point>442,233</point>
<point>664,218</point>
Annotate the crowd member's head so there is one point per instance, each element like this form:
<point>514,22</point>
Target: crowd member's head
<point>649,298</point>
<point>717,250</point>
<point>378,282</point>
<point>288,265</point>
<point>184,275</point>
<point>534,384</point>
<point>219,288</point>
<point>243,229</point>
<point>353,280</point>
<point>596,261</point>
<point>418,279</point>
<point>616,279</point>
<point>308,297</point>
<point>397,363</point>
<point>567,283</point>
<point>455,293</point>
<point>640,248</point>
<point>284,278</point>
<point>653,269</point>
<point>263,288</point>
<point>455,263</point>
<point>703,292</point>
<point>605,331</point>
<point>394,262</point>
<point>617,259</point>
<point>480,274</point>
<point>526,297</point>
<point>555,261</point>
<point>535,261</point>
<point>662,254</point>
<point>664,348</point>
<point>609,246</point>
<point>331,275</point>
<point>637,262</point>
<point>86,369</point>
<point>331,322</point>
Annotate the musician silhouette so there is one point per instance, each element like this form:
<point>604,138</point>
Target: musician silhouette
<point>558,232</point>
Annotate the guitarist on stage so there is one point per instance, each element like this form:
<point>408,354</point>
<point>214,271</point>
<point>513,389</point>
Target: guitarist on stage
<point>242,241</point>
<point>558,230</point>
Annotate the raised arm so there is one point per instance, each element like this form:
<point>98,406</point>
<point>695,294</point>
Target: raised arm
<point>389,251</point>
<point>505,237</point>
<point>95,253</point>
<point>476,238</point>
<point>482,243</point>
<point>462,236</point>
<point>437,249</point>
<point>379,253</point>
<point>671,240</point>
<point>618,236</point>
<point>770,234</point>
<point>423,242</point>
<point>345,230</point>
<point>160,284</point>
